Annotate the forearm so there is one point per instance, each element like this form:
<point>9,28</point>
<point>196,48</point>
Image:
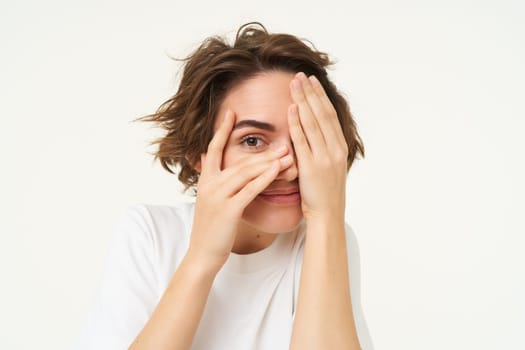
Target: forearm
<point>324,317</point>
<point>175,320</point>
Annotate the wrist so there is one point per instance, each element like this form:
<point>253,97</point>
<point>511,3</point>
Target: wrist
<point>202,264</point>
<point>323,219</point>
<point>325,225</point>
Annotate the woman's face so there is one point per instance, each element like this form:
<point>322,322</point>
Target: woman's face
<point>265,99</point>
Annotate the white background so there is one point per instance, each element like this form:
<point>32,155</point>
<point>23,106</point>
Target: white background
<point>437,204</point>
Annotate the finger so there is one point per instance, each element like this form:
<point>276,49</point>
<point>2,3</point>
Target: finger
<point>302,149</point>
<point>273,153</point>
<point>217,143</point>
<point>308,120</point>
<point>327,124</point>
<point>333,132</point>
<point>236,181</point>
<point>318,88</point>
<point>256,186</point>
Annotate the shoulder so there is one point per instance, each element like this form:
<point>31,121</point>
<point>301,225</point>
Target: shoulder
<point>155,227</point>
<point>158,213</point>
<point>159,232</point>
<point>153,218</point>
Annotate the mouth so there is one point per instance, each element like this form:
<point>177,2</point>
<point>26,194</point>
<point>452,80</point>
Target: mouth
<point>281,196</point>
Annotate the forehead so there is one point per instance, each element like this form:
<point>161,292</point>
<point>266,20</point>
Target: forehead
<point>264,97</point>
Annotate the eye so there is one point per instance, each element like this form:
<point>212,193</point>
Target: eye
<point>252,142</point>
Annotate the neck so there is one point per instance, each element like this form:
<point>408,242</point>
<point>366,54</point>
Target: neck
<point>250,240</point>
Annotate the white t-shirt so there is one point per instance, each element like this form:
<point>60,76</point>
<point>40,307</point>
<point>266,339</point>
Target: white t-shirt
<point>251,303</point>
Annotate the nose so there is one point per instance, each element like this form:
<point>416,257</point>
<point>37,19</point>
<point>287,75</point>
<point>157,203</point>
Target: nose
<point>289,174</point>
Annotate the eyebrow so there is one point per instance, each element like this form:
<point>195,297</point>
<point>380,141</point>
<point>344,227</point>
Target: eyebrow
<point>254,123</point>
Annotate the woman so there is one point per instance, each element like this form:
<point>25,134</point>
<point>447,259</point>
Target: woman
<point>260,260</point>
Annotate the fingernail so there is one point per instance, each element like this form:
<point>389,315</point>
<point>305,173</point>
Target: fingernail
<point>314,80</point>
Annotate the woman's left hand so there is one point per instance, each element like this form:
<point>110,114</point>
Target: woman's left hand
<point>320,148</point>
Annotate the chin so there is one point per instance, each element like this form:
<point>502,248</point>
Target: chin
<point>272,218</point>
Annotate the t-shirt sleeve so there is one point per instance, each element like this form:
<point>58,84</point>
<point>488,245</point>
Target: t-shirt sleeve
<point>128,291</point>
<point>354,271</point>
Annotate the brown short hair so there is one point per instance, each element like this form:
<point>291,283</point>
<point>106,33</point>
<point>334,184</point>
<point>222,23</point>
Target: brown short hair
<point>212,69</point>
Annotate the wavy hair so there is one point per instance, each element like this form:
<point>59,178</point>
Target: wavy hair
<point>212,69</point>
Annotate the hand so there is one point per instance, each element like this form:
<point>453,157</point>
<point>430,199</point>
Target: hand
<point>320,148</point>
<point>223,194</point>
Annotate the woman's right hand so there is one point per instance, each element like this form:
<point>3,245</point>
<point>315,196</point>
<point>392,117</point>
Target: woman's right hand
<point>223,194</point>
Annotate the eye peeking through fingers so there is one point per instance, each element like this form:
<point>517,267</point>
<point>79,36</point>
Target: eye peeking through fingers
<point>252,142</point>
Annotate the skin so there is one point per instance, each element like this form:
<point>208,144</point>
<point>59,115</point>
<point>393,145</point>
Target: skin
<point>264,98</point>
<point>307,149</point>
<point>324,316</point>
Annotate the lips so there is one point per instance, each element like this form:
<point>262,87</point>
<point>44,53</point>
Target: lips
<point>281,196</point>
<point>280,191</point>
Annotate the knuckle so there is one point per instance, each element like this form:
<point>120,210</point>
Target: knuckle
<point>332,112</point>
<point>340,158</point>
<point>341,153</point>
